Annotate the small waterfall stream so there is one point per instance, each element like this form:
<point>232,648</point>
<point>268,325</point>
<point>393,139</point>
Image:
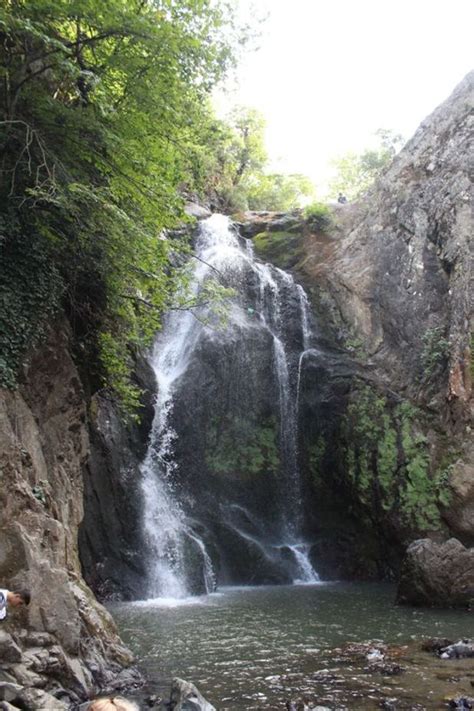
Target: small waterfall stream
<point>179,558</point>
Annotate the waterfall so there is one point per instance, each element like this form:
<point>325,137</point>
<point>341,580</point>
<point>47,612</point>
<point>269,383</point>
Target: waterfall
<point>179,560</point>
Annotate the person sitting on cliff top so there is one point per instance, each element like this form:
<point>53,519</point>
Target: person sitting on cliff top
<point>14,598</point>
<point>342,199</point>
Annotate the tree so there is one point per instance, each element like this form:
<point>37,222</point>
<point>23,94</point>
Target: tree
<point>357,171</point>
<point>277,191</point>
<point>235,167</point>
<point>102,107</point>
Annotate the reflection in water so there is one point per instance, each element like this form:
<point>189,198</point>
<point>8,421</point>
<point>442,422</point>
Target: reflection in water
<point>236,644</point>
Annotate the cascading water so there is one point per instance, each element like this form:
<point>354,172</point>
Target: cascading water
<point>178,533</point>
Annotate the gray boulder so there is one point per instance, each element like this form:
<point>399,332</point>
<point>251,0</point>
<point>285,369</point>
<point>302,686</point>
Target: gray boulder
<point>437,574</point>
<point>9,650</point>
<point>186,697</point>
<point>193,209</point>
<point>459,650</point>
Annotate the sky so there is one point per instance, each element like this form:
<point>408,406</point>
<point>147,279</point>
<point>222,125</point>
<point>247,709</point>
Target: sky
<point>329,73</point>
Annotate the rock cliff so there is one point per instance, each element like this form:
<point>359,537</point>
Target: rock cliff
<point>389,450</point>
<point>65,645</point>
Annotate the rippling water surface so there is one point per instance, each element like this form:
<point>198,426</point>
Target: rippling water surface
<point>253,648</point>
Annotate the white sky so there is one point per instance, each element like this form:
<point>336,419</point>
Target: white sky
<point>331,72</point>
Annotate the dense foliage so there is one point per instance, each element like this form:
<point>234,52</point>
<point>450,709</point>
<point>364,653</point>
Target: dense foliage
<point>104,122</point>
<point>236,168</point>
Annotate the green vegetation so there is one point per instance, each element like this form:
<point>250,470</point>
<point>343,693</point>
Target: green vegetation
<point>278,192</point>
<point>242,448</point>
<point>355,173</point>
<point>281,248</point>
<point>105,121</point>
<point>356,345</point>
<point>387,460</point>
<point>30,291</point>
<point>235,168</point>
<point>435,352</point>
<point>318,216</point>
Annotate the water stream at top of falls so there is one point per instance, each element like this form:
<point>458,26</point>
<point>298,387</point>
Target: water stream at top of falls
<point>175,540</point>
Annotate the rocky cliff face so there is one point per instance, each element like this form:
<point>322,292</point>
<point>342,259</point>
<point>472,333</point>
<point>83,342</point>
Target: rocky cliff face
<point>110,535</point>
<point>65,644</point>
<point>390,449</point>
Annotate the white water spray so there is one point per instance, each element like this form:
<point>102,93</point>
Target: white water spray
<point>169,534</point>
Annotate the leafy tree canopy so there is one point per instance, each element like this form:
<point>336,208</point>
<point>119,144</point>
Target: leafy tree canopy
<point>236,168</point>
<point>104,117</point>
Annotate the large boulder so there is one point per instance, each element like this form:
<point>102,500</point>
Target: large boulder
<point>437,574</point>
<point>186,697</point>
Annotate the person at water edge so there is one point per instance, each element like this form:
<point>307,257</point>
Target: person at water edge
<point>341,198</point>
<point>113,703</point>
<point>15,598</point>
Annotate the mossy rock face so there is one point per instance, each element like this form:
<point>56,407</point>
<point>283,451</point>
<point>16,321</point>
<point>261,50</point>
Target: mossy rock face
<point>386,463</point>
<point>282,248</point>
<point>243,449</point>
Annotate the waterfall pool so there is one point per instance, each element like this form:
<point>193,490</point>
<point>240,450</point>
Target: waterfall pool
<point>255,648</point>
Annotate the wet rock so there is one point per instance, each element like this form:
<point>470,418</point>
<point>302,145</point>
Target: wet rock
<point>385,668</point>
<point>459,650</point>
<point>375,655</point>
<point>110,537</point>
<point>186,697</point>
<point>437,574</point>
<point>9,650</point>
<point>389,705</point>
<point>9,692</point>
<point>299,706</point>
<point>37,700</point>
<point>435,644</point>
<point>126,680</point>
<point>462,703</point>
<point>30,699</point>
<point>36,639</point>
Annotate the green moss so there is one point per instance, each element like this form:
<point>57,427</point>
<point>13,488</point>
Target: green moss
<point>281,248</point>
<point>387,460</point>
<point>443,476</point>
<point>356,347</point>
<point>435,352</point>
<point>240,448</point>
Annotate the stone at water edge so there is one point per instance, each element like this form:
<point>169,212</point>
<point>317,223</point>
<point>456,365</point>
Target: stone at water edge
<point>462,703</point>
<point>437,574</point>
<point>459,650</point>
<point>186,697</point>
